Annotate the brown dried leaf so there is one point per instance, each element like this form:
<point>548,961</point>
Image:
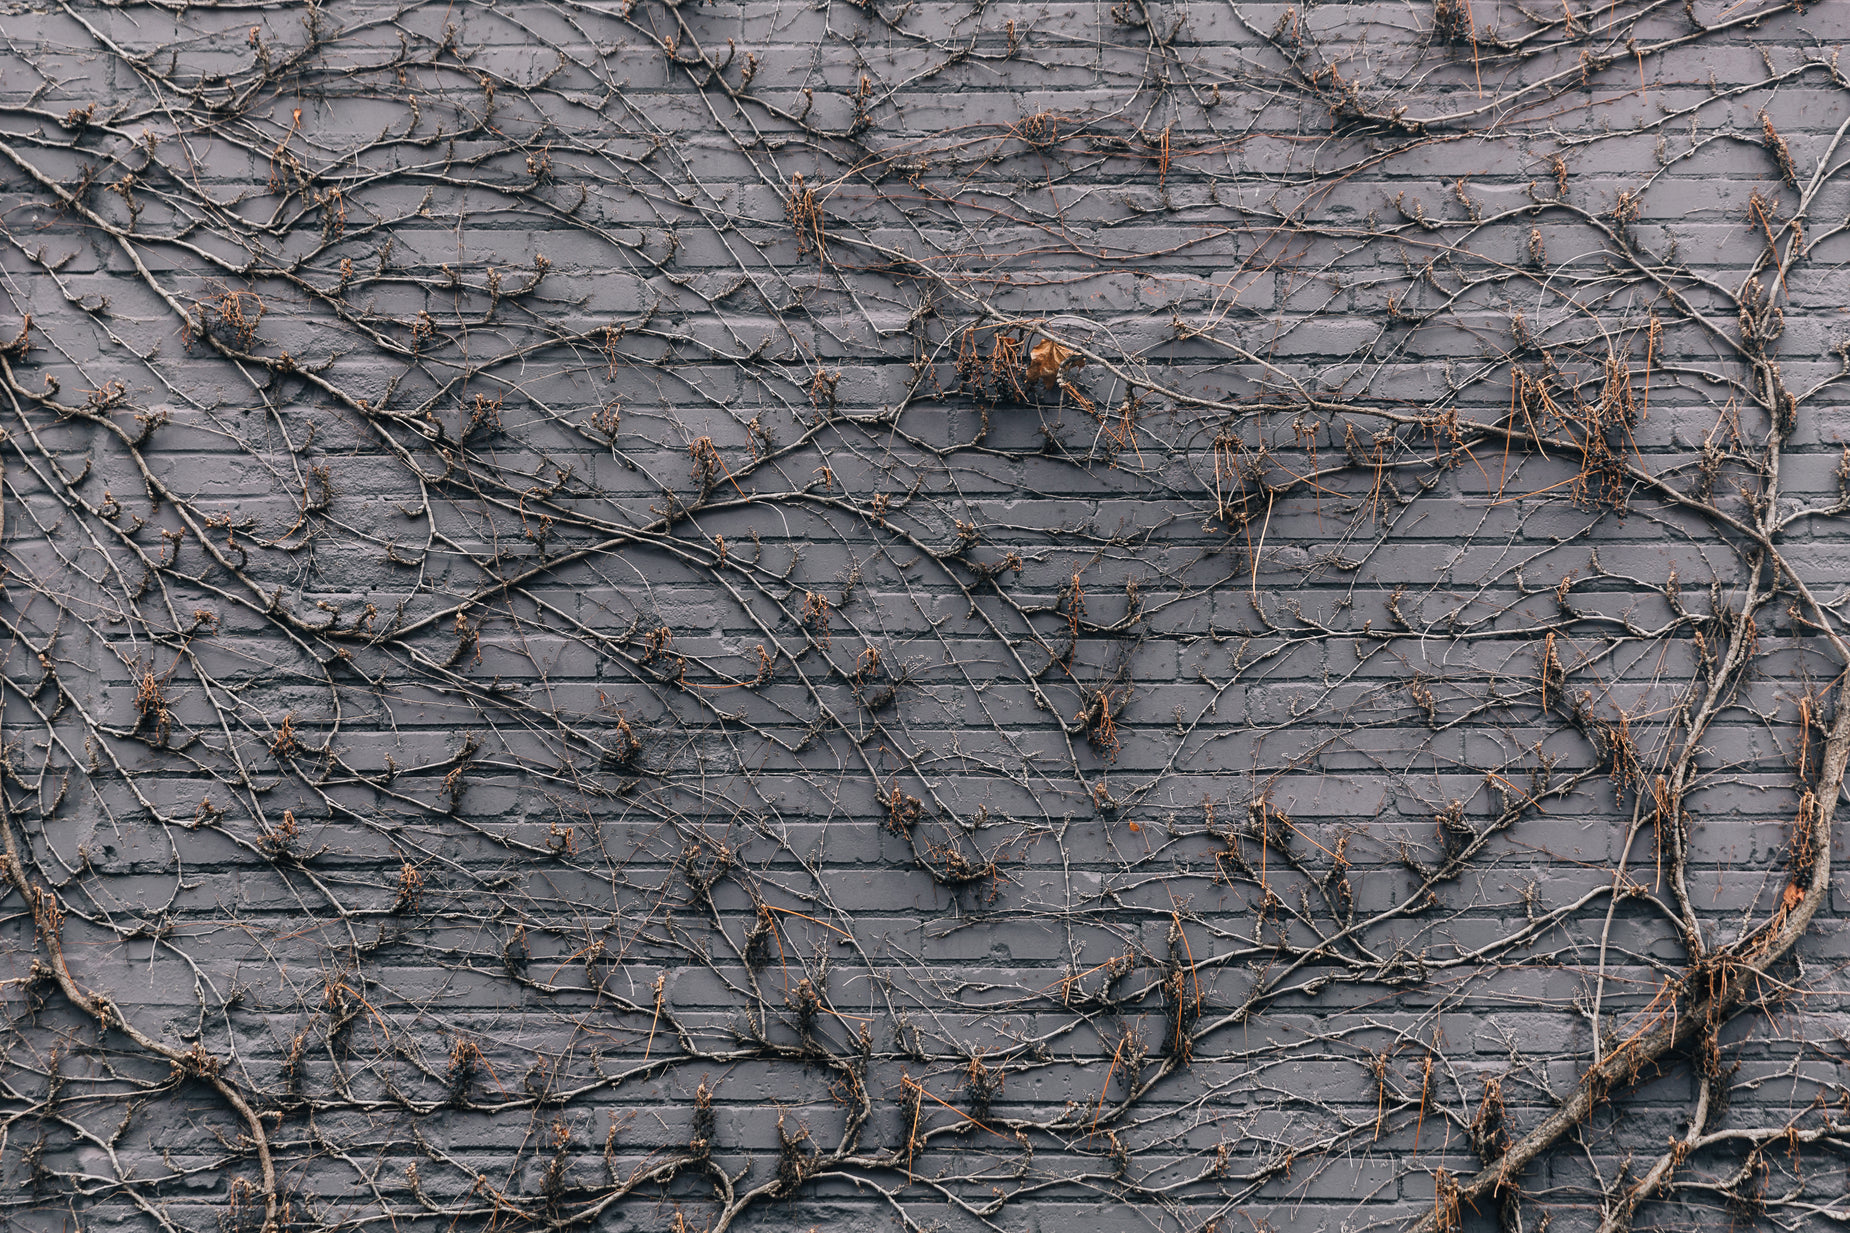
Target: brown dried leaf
<point>1047,359</point>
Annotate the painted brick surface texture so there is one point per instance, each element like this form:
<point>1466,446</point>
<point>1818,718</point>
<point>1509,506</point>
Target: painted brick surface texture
<point>681,617</point>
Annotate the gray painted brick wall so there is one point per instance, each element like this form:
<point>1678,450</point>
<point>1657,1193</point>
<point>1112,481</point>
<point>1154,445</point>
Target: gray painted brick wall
<point>556,629</point>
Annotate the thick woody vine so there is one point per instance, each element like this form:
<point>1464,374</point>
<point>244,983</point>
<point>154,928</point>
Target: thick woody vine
<point>563,561</point>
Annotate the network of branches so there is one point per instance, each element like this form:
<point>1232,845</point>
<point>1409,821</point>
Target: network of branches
<point>687,616</point>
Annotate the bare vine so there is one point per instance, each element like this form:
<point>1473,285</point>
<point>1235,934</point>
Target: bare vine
<point>640,615</point>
